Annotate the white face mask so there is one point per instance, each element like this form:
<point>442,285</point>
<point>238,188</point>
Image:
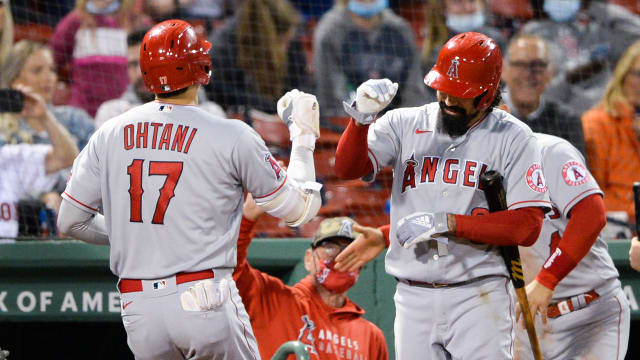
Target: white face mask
<point>109,9</point>
<point>465,22</point>
<point>562,10</point>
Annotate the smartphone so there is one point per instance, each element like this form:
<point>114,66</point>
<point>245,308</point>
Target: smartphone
<point>11,101</point>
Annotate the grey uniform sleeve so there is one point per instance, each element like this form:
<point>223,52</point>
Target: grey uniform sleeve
<point>384,142</point>
<point>569,179</point>
<point>524,180</point>
<point>256,168</point>
<point>83,188</point>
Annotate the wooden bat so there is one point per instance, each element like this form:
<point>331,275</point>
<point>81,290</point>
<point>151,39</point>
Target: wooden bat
<point>636,203</point>
<point>496,198</point>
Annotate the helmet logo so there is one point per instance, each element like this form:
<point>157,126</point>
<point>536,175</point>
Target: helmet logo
<point>163,80</point>
<point>453,68</point>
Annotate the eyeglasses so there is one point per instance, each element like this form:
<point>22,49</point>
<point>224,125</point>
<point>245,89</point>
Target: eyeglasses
<point>535,66</point>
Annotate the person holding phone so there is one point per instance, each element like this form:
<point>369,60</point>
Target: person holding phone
<point>31,168</point>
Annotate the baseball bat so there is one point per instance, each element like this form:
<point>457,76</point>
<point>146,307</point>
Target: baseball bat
<point>636,203</point>
<point>496,198</point>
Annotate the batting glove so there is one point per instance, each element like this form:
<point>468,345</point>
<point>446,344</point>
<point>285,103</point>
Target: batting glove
<point>422,226</point>
<point>4,354</point>
<point>301,113</point>
<point>371,98</point>
<point>205,295</point>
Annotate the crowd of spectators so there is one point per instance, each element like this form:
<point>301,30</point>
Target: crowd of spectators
<point>569,65</point>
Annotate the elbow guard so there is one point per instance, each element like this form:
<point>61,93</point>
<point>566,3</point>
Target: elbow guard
<point>297,204</point>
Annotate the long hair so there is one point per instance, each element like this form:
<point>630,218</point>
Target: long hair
<point>16,59</point>
<point>436,32</point>
<point>9,72</point>
<point>613,97</point>
<point>6,41</point>
<point>261,24</point>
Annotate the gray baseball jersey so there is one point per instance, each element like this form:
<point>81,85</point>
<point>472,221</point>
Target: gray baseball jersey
<point>569,182</point>
<point>170,181</point>
<point>434,172</point>
<point>601,329</point>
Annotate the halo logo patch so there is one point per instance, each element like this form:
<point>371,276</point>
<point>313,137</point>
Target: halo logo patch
<point>277,170</point>
<point>535,178</point>
<point>453,68</point>
<point>574,173</point>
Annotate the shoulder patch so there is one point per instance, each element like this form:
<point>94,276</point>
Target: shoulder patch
<point>270,161</point>
<point>535,178</point>
<point>574,173</point>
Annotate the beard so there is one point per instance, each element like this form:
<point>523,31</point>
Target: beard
<point>454,125</point>
<point>142,93</point>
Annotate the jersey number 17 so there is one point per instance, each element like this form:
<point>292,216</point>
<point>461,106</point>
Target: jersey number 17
<point>171,169</point>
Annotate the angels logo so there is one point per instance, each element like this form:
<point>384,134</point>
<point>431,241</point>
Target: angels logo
<point>535,178</point>
<point>453,68</point>
<point>306,334</point>
<point>346,229</point>
<point>409,177</point>
<point>274,165</point>
<point>574,173</point>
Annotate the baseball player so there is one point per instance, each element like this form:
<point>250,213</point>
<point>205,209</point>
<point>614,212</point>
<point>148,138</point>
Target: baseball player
<point>28,169</point>
<point>169,179</point>
<point>453,298</point>
<point>316,310</point>
<point>572,281</point>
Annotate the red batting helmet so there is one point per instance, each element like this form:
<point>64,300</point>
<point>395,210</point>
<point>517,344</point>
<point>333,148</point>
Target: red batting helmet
<point>172,57</point>
<point>468,65</point>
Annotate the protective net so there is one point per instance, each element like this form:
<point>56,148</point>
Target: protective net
<point>81,58</point>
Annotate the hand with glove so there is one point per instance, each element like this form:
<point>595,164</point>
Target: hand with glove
<point>301,113</point>
<point>205,295</point>
<point>372,96</point>
<point>422,226</point>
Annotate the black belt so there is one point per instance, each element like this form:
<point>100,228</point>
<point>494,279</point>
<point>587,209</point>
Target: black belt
<point>438,285</point>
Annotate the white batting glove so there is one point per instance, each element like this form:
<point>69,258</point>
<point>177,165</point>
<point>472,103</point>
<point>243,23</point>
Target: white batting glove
<point>205,295</point>
<point>422,226</point>
<point>372,96</point>
<point>301,113</point>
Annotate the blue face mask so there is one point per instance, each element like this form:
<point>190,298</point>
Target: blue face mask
<point>466,22</point>
<point>367,10</point>
<point>109,9</point>
<point>562,10</point>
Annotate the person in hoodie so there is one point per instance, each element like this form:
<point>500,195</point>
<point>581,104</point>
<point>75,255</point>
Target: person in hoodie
<point>316,310</point>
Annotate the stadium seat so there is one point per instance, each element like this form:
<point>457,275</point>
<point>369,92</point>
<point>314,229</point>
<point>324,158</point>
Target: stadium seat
<point>512,9</point>
<point>272,227</point>
<point>270,128</point>
<point>325,160</point>
<point>353,201</point>
<point>32,31</point>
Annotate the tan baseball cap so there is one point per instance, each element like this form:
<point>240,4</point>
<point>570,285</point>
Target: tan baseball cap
<point>337,227</point>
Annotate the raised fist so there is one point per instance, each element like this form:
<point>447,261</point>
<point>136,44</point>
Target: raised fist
<point>300,112</point>
<point>421,226</point>
<point>372,96</point>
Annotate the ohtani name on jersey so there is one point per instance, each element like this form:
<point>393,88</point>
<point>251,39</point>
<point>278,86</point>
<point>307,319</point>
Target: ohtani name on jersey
<point>452,171</point>
<point>159,136</point>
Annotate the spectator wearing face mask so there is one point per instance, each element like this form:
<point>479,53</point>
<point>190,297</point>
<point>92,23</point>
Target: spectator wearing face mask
<point>446,18</point>
<point>316,309</point>
<point>587,38</point>
<point>362,39</point>
<point>89,46</point>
